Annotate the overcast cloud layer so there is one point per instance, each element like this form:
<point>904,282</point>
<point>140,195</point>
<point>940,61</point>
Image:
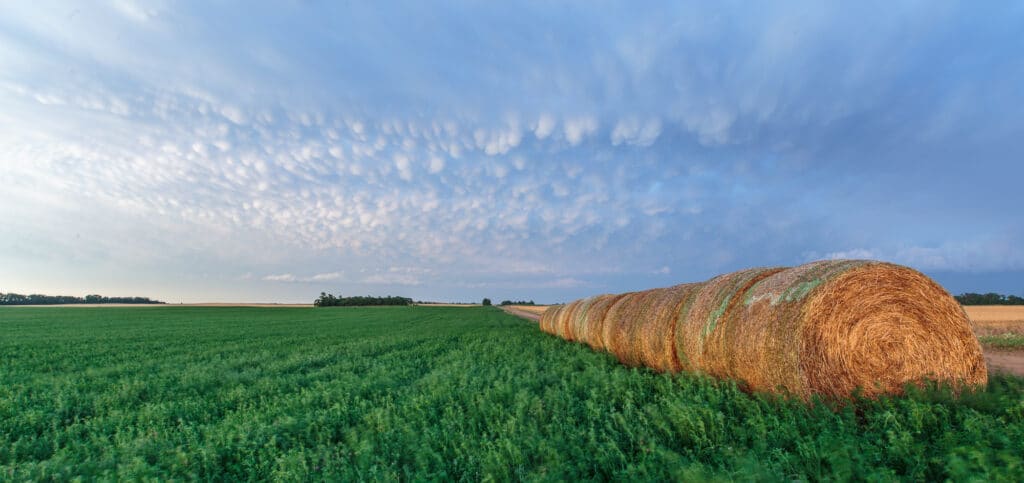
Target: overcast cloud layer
<point>547,151</point>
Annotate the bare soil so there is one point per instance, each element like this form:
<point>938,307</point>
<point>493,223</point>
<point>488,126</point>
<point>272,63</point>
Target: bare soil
<point>533,309</point>
<point>1008,362</point>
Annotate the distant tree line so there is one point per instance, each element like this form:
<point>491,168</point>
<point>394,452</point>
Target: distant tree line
<point>38,299</point>
<point>329,300</point>
<point>517,302</point>
<point>988,299</point>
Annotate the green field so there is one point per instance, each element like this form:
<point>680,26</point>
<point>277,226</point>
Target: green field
<point>1003,341</point>
<point>434,393</point>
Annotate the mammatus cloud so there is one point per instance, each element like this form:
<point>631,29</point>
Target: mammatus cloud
<point>545,126</point>
<point>694,141</point>
<point>633,131</point>
<point>579,127</point>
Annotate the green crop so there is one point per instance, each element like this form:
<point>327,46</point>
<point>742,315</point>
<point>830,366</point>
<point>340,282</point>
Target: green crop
<point>436,393</point>
<point>1003,341</point>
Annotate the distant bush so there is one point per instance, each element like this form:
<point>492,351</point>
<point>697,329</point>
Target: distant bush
<point>517,302</point>
<point>486,301</point>
<point>329,300</point>
<point>988,299</point>
<point>37,299</point>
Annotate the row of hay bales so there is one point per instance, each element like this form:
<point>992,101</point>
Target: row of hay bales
<point>823,328</point>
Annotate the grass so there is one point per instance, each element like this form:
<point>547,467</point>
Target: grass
<point>435,393</point>
<point>1003,341</point>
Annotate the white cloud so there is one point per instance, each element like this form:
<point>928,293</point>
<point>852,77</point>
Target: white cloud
<point>139,11</point>
<point>403,166</point>
<point>545,126</point>
<point>578,128</point>
<point>500,171</point>
<point>234,114</point>
<point>291,278</point>
<point>436,165</point>
<point>325,277</point>
<point>633,131</point>
<point>712,126</point>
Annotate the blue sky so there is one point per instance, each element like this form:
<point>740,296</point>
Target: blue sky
<point>226,151</point>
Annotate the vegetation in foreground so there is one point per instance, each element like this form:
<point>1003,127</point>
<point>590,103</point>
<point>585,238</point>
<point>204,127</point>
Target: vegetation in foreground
<point>435,393</point>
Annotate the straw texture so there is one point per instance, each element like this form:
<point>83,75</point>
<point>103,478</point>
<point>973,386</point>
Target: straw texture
<point>826,328</point>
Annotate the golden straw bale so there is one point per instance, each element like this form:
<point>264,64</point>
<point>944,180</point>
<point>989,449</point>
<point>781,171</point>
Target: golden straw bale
<point>579,320</point>
<point>641,315</point>
<point>825,328</point>
<point>556,321</point>
<point>657,347</point>
<point>547,319</point>
<point>615,332</point>
<point>596,315</point>
<point>564,329</point>
<point>705,313</point>
<point>830,327</point>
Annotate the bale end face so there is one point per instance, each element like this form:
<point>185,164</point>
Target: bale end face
<point>879,327</point>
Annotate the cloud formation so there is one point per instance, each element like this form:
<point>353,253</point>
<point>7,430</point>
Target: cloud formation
<point>542,150</point>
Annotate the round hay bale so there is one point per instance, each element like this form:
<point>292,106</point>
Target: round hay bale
<point>657,336</point>
<point>704,315</point>
<point>558,324</point>
<point>596,316</point>
<point>642,320</point>
<point>547,319</point>
<point>616,327</point>
<point>831,327</point>
<point>579,319</point>
<point>566,328</point>
<point>825,328</point>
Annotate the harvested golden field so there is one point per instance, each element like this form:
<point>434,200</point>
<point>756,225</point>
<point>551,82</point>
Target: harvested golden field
<point>996,319</point>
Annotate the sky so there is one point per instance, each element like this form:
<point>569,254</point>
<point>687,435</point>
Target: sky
<point>449,151</point>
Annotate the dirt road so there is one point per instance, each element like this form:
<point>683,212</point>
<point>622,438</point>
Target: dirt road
<point>1008,362</point>
<point>520,312</point>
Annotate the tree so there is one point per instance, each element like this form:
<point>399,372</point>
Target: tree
<point>487,301</point>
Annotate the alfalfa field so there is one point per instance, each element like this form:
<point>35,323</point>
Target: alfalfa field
<point>439,393</point>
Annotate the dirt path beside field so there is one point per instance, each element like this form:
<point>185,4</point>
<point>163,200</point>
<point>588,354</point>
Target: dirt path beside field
<point>1010,362</point>
<point>518,312</point>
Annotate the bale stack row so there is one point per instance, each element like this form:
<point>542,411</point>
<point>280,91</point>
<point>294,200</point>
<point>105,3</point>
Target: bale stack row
<point>828,328</point>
